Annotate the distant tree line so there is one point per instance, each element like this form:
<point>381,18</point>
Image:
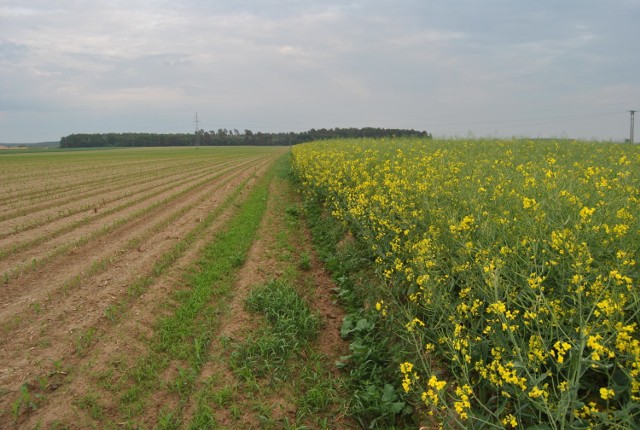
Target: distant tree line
<point>224,137</point>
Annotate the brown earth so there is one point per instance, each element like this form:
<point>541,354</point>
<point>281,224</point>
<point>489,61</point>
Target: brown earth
<point>90,215</point>
<point>73,324</point>
<point>42,284</point>
<point>52,314</point>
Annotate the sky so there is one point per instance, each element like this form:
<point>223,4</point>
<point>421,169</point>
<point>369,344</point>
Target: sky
<point>455,68</point>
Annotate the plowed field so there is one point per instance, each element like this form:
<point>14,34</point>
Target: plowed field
<point>93,246</point>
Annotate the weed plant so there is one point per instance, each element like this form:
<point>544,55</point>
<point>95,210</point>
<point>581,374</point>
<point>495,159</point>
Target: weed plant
<point>27,401</point>
<point>291,326</point>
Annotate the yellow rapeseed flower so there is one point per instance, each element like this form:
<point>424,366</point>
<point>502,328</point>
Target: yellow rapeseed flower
<point>607,393</point>
<point>510,420</point>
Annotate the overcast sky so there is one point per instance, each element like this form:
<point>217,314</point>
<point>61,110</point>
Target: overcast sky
<point>559,68</point>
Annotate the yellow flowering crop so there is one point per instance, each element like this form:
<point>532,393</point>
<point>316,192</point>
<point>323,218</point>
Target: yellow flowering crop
<point>513,263</point>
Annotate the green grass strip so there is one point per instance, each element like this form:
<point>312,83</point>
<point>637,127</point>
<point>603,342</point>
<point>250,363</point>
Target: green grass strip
<point>291,325</point>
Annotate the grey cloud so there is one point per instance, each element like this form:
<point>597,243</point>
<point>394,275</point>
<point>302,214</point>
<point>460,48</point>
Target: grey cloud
<point>291,64</point>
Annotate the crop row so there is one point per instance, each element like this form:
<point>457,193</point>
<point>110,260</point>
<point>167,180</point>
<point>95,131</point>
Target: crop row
<point>41,244</point>
<point>123,214</point>
<point>508,268</point>
<point>97,196</point>
<point>72,176</point>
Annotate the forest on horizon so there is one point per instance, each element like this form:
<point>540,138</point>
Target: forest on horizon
<point>225,137</point>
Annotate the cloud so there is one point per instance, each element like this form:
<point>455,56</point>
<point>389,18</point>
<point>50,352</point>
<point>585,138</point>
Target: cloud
<point>282,64</point>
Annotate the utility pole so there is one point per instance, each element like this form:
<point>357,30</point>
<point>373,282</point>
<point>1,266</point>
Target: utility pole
<point>632,121</point>
<point>197,130</point>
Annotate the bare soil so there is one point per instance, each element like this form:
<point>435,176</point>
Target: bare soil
<point>49,329</point>
<point>60,341</point>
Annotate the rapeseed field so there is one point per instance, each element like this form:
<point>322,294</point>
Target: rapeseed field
<point>509,270</point>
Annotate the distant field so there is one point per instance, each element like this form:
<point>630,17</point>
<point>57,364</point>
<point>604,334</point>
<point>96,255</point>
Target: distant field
<point>32,146</point>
